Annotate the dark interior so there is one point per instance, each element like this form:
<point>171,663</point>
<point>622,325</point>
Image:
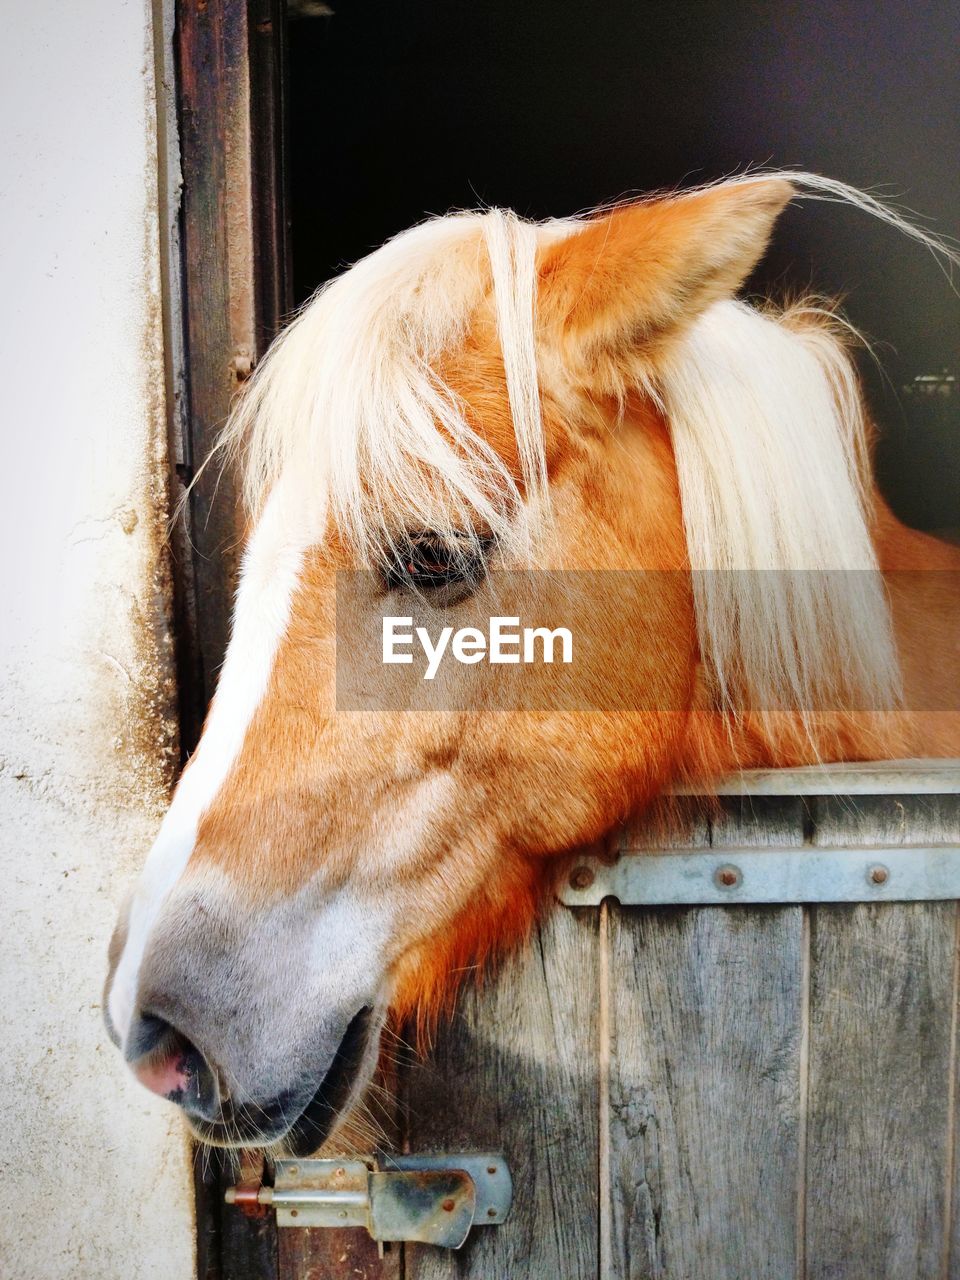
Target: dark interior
<point>398,110</point>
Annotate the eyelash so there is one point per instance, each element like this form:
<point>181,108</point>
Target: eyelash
<point>426,562</point>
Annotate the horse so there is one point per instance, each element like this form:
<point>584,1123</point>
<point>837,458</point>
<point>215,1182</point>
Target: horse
<point>486,400</point>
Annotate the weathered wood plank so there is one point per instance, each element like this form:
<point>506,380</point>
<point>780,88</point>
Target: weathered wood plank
<point>219,288</point>
<point>516,1070</point>
<point>321,1254</point>
<point>234,264</point>
<point>762,822</point>
<point>273,288</point>
<point>231,1245</point>
<point>895,819</point>
<point>882,995</point>
<point>704,1086</point>
<point>704,1059</point>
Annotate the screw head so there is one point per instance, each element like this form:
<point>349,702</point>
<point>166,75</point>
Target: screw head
<point>491,1213</point>
<point>448,1206</point>
<point>294,1213</point>
<point>581,878</point>
<point>728,877</point>
<point>879,875</point>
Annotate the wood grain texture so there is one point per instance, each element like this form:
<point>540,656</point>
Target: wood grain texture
<point>236,290</point>
<point>704,1065</point>
<point>231,1245</point>
<point>516,1071</point>
<point>273,289</point>
<point>881,1061</point>
<point>760,822</point>
<point>322,1254</point>
<point>218,297</point>
<point>704,1058</point>
<point>847,821</point>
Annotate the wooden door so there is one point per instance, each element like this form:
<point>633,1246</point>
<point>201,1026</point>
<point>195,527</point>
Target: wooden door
<point>718,1093</point>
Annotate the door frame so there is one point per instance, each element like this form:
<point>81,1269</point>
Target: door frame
<point>226,292</point>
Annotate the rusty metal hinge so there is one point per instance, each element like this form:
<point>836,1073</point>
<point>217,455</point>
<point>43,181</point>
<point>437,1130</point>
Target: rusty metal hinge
<point>433,1199</point>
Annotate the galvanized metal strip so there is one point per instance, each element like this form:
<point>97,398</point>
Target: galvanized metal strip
<point>727,877</point>
<point>488,1169</point>
<point>884,777</point>
<point>320,1193</point>
<point>431,1206</point>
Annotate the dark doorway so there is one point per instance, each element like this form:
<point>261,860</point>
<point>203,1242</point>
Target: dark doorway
<point>400,110</point>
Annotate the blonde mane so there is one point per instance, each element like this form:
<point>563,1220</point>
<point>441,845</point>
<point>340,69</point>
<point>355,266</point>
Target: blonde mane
<point>348,399</point>
<point>770,442</point>
<point>764,411</point>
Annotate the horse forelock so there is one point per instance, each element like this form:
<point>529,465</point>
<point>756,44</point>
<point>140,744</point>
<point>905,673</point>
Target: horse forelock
<point>350,397</point>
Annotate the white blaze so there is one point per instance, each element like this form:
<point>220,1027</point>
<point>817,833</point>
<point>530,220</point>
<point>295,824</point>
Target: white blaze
<point>268,579</point>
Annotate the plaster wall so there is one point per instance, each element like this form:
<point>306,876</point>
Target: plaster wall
<point>95,1176</point>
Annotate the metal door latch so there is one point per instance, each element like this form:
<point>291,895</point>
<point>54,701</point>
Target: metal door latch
<point>434,1199</point>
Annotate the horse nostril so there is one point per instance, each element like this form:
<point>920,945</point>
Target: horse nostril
<point>148,1034</point>
<point>167,1063</point>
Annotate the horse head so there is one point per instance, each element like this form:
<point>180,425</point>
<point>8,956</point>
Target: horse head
<point>478,397</point>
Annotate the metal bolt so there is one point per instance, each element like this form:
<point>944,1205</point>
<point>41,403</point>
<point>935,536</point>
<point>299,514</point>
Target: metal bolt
<point>250,1198</point>
<point>491,1213</point>
<point>448,1206</point>
<point>491,1168</point>
<point>294,1213</point>
<point>728,877</point>
<point>294,1170</point>
<point>582,878</point>
<point>343,1213</point>
<point>879,875</point>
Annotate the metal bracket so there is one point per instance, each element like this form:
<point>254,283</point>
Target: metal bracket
<point>726,877</point>
<point>433,1199</point>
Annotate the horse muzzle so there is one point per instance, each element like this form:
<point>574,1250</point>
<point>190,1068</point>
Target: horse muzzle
<point>263,1026</point>
<point>300,1117</point>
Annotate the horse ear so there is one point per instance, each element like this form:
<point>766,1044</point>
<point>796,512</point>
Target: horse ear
<point>629,280</point>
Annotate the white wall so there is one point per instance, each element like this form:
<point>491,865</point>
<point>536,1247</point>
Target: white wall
<point>94,1173</point>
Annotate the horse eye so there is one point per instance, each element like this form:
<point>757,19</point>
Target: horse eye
<point>426,562</point>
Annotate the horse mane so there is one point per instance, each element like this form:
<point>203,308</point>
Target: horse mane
<point>765,415</point>
<point>771,447</point>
